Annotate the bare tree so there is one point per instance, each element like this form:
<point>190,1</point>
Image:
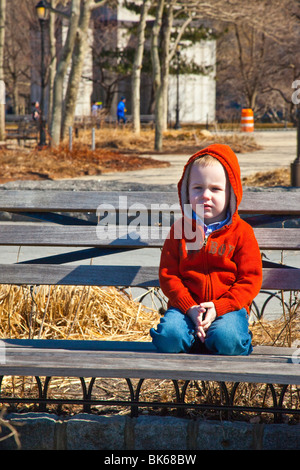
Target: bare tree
<point>52,53</point>
<point>17,55</point>
<point>256,67</point>
<point>137,65</point>
<point>63,64</point>
<point>80,46</point>
<point>112,64</point>
<point>157,75</point>
<point>244,64</point>
<point>162,55</point>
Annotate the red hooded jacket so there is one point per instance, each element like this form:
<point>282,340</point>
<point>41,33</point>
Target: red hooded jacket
<point>227,269</point>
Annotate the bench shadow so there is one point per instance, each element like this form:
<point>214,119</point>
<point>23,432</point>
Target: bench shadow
<point>78,345</point>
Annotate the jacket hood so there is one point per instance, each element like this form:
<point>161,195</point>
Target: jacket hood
<point>229,160</point>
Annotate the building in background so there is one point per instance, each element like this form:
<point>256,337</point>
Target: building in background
<point>197,92</point>
<point>111,30</point>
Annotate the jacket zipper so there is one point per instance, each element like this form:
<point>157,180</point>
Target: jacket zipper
<point>208,279</point>
<point>209,287</point>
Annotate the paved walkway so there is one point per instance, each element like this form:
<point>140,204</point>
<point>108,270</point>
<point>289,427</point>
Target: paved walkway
<point>279,150</point>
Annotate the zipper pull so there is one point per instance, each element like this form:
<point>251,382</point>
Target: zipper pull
<point>205,240</point>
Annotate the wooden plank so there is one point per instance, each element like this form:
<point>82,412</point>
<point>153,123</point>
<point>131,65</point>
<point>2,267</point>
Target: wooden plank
<point>127,364</point>
<point>77,201</point>
<point>265,353</point>
<point>273,352</point>
<point>78,275</point>
<point>281,279</point>
<point>15,234</point>
<point>273,278</point>
<point>278,238</point>
<point>265,202</point>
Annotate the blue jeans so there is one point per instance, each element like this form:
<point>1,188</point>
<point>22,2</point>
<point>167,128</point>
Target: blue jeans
<point>227,335</point>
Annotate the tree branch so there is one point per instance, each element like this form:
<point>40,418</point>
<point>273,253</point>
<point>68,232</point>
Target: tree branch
<point>56,10</point>
<point>98,4</point>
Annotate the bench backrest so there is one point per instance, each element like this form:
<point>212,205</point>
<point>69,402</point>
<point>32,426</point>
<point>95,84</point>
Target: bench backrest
<point>72,219</point>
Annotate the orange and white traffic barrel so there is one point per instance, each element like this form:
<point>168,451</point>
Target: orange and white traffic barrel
<point>247,120</point>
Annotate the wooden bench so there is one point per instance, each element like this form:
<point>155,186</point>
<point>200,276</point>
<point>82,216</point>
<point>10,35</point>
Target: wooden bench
<point>27,130</point>
<point>103,116</point>
<point>70,220</point>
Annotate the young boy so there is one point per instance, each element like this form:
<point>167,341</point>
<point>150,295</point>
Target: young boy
<point>209,284</point>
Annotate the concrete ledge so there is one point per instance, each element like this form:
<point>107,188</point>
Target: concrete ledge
<point>42,431</point>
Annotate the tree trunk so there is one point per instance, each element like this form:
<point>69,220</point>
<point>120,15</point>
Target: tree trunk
<point>157,77</point>
<point>81,42</point>
<point>52,66</point>
<point>137,66</point>
<point>15,93</point>
<point>248,67</point>
<point>165,62</point>
<point>161,70</point>
<point>2,84</point>
<point>61,71</point>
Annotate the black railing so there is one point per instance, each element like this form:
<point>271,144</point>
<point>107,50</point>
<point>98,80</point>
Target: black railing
<point>227,406</point>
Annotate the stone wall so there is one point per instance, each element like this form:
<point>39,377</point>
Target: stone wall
<point>42,431</point>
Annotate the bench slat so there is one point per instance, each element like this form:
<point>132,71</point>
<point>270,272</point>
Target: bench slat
<point>78,236</point>
<point>273,278</point>
<point>273,353</point>
<point>78,275</point>
<point>153,365</point>
<point>82,201</point>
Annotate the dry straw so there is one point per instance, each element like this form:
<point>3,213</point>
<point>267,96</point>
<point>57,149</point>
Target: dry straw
<point>82,312</point>
<point>73,312</point>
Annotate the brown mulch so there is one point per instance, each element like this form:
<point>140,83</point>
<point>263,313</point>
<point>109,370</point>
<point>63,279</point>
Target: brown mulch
<point>116,150</point>
<point>58,163</point>
<point>277,177</point>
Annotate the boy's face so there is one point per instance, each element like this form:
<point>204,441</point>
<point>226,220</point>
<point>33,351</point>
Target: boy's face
<point>209,186</point>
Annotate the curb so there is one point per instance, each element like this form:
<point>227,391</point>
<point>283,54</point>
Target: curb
<point>42,431</point>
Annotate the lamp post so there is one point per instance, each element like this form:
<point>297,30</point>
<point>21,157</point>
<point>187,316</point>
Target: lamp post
<point>295,166</point>
<point>42,14</point>
<point>177,123</point>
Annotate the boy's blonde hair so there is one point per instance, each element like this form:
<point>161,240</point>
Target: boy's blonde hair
<point>206,160</point>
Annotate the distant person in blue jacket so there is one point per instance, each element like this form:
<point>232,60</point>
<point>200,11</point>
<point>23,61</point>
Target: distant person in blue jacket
<point>121,110</point>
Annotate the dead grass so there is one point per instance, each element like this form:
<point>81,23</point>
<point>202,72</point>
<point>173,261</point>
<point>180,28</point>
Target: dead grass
<point>95,313</point>
<point>60,163</point>
<point>75,312</point>
<point>280,332</point>
<point>174,141</point>
<point>60,312</point>
<point>278,177</point>
<point>116,150</point>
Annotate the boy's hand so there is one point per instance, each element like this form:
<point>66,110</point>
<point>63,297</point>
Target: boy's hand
<point>196,315</point>
<point>210,315</point>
